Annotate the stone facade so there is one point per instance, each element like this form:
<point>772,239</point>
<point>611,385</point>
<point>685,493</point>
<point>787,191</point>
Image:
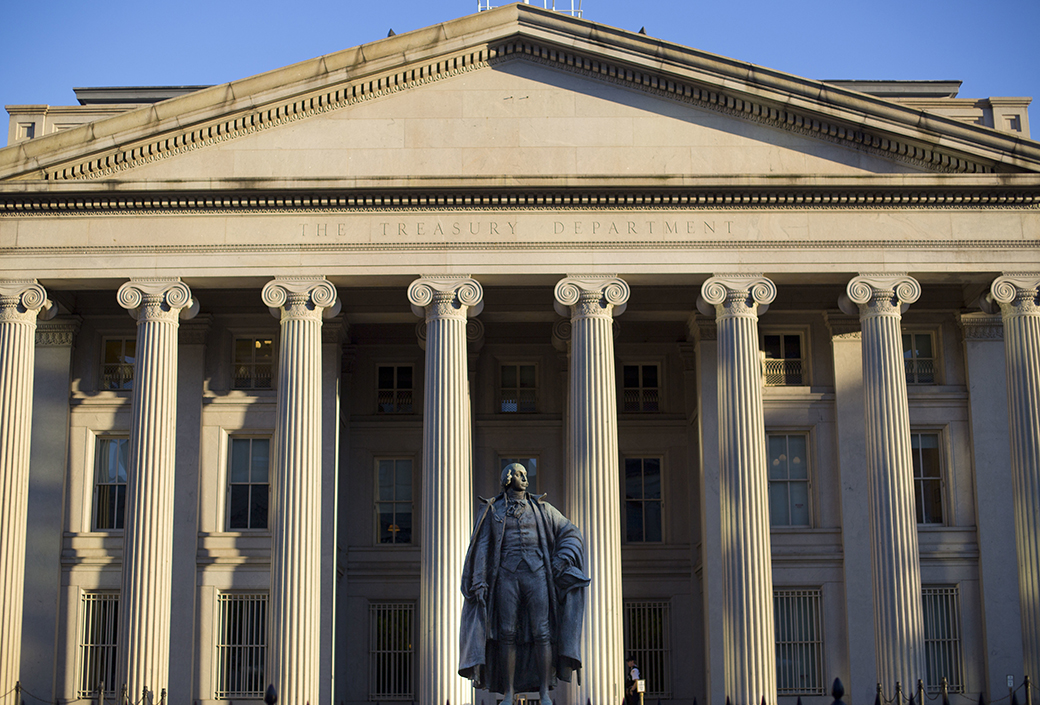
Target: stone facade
<point>772,344</point>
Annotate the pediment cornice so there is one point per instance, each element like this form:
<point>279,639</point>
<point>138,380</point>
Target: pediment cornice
<point>113,147</point>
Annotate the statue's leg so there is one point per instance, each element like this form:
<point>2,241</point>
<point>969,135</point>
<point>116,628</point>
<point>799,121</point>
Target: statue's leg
<point>509,659</point>
<point>545,665</point>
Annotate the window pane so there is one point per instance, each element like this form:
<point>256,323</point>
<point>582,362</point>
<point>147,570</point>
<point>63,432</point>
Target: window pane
<point>104,512</point>
<point>779,504</point>
<point>240,459</point>
<point>799,503</point>
<point>771,346</point>
<point>258,507</point>
<point>386,377</point>
<point>923,342</point>
<point>387,528</point>
<point>404,377</point>
<point>527,376</point>
<point>633,478</point>
<point>403,486</point>
<point>652,478</point>
<point>386,479</point>
<point>122,458</point>
<point>777,457</point>
<point>264,350</point>
<point>652,521</point>
<point>908,346</point>
<point>931,502</point>
<point>796,464</point>
<point>113,351</point>
<point>650,376</point>
<point>238,507</point>
<point>403,516</point>
<point>792,347</point>
<point>509,376</point>
<point>243,349</point>
<point>634,521</point>
<point>261,460</point>
<point>631,375</point>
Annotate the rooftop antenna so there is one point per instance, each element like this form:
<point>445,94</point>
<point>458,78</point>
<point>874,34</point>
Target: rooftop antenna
<point>567,7</point>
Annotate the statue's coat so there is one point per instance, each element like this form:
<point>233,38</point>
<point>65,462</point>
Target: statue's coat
<point>560,544</point>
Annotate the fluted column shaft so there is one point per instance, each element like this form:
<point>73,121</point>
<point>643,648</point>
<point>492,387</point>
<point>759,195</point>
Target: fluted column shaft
<point>144,603</point>
<point>20,305</point>
<point>593,495</point>
<point>750,649</point>
<point>294,622</point>
<point>1017,295</point>
<point>447,482</point>
<point>898,618</point>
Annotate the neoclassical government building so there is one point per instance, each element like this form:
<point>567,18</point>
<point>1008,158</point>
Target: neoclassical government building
<point>773,344</point>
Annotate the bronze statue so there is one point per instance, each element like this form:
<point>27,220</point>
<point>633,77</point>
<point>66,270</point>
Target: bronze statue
<point>524,584</point>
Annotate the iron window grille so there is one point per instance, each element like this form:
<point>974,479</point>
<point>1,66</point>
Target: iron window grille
<point>253,363</point>
<point>799,644</point>
<point>928,481</point>
<point>249,464</point>
<point>641,388</point>
<point>648,640</point>
<point>518,389</point>
<point>643,502</point>
<point>117,363</point>
<point>394,389</point>
<point>391,656</point>
<point>784,364</point>
<point>942,639</point>
<point>919,358</point>
<point>97,643</point>
<point>241,645</point>
<point>111,464</point>
<point>789,487</point>
<point>394,500</point>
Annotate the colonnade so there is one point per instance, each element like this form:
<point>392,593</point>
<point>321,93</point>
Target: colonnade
<point>445,303</point>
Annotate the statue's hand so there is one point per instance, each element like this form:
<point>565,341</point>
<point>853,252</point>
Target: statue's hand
<point>480,594</point>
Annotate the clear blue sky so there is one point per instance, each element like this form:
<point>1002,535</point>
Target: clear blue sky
<point>46,50</point>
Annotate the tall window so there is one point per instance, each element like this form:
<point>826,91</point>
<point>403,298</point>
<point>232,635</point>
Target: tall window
<point>919,358</point>
<point>942,638</point>
<point>117,363</point>
<point>110,468</point>
<point>927,477</point>
<point>518,388</point>
<point>391,663</point>
<point>394,500</point>
<point>641,391</point>
<point>531,464</point>
<point>784,363</point>
<point>648,640</point>
<point>643,500</point>
<point>394,389</point>
<point>799,646</point>
<point>241,645</point>
<point>249,466</point>
<point>97,643</point>
<point>254,362</point>
<point>788,480</point>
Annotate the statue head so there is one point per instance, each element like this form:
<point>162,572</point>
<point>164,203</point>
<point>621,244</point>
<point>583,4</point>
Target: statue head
<point>510,476</point>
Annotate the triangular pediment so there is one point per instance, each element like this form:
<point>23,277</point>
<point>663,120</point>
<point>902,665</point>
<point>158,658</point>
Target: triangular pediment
<point>517,92</point>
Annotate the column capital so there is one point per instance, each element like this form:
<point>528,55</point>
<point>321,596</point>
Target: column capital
<point>311,298</point>
<point>24,300</point>
<point>457,297</point>
<point>879,294</point>
<point>736,295</point>
<point>157,299</point>
<point>982,326</point>
<point>591,296</point>
<point>1017,293</point>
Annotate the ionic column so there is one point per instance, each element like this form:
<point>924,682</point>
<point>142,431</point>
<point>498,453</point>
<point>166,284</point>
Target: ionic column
<point>21,302</point>
<point>447,482</point>
<point>747,580</point>
<point>1017,295</point>
<point>144,603</point>
<point>898,620</point>
<point>294,622</point>
<point>593,498</point>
